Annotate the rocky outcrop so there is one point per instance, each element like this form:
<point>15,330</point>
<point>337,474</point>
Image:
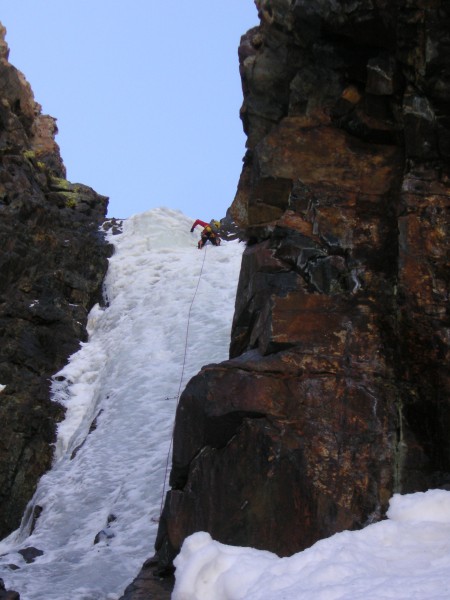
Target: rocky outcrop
<point>7,594</point>
<point>148,585</point>
<point>52,263</point>
<point>336,393</point>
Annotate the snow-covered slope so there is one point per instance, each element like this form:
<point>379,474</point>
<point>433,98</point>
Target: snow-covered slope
<point>128,375</point>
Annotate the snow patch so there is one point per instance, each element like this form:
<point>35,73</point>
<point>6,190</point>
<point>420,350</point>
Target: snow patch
<point>406,557</point>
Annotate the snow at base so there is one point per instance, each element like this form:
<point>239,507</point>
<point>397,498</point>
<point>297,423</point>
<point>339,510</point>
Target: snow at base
<point>106,485</point>
<point>406,557</point>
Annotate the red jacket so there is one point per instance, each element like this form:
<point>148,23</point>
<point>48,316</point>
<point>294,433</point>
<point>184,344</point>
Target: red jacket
<point>198,222</point>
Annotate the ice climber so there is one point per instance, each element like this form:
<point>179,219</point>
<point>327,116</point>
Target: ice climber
<point>210,232</point>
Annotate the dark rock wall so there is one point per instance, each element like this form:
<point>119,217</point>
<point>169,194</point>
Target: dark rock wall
<point>52,263</point>
<point>336,393</point>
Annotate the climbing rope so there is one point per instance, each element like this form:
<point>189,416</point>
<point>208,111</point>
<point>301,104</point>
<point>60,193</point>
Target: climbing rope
<point>181,379</point>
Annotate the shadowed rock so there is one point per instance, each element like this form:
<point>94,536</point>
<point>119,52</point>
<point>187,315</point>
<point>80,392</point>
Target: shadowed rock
<point>336,395</point>
<point>52,263</point>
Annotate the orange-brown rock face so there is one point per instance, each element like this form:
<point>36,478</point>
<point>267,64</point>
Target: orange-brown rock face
<point>336,393</point>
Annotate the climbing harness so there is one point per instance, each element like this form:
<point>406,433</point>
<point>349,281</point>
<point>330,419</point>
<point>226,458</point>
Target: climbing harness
<point>180,384</point>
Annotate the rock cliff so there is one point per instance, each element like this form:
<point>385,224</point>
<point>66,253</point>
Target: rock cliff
<point>52,263</point>
<point>336,392</point>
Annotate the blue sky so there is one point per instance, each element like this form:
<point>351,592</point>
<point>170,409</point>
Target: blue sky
<point>146,94</point>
